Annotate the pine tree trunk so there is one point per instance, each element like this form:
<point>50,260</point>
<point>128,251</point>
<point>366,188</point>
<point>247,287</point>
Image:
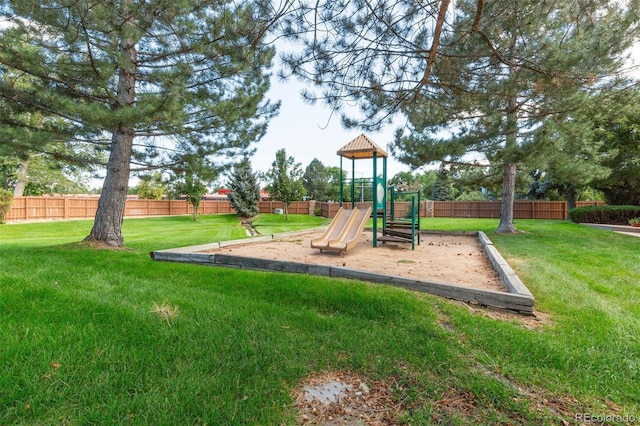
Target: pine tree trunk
<point>571,197</point>
<point>506,225</point>
<point>21,179</point>
<point>107,226</point>
<point>508,195</point>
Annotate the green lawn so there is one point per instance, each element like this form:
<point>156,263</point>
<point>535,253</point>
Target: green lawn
<point>81,343</point>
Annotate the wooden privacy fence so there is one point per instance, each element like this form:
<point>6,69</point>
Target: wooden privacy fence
<point>30,208</point>
<point>296,207</point>
<point>491,209</point>
<point>34,208</point>
<point>522,209</point>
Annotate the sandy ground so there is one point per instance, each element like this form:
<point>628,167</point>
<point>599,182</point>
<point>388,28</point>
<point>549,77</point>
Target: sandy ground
<point>458,260</point>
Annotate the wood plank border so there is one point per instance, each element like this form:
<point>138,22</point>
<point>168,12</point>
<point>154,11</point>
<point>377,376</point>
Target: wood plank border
<point>517,298</point>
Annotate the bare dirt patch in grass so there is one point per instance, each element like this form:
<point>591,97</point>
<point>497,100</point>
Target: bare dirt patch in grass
<point>363,402</point>
<point>359,403</point>
<point>531,322</point>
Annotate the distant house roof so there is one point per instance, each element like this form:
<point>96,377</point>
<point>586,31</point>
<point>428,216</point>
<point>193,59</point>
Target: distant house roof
<point>361,147</point>
<point>223,194</point>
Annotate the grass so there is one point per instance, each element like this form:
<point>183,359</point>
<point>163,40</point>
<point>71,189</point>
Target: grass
<point>94,336</point>
<point>276,223</point>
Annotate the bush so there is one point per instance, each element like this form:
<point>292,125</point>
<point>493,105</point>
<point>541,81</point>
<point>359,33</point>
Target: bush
<point>6,199</point>
<point>471,196</point>
<point>611,215</point>
<point>317,211</point>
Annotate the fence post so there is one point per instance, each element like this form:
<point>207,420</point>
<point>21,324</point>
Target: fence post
<point>533,209</point>
<point>429,208</point>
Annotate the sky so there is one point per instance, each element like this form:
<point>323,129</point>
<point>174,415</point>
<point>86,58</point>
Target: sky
<point>310,131</point>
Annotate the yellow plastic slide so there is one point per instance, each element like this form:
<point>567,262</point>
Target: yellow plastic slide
<point>347,232</point>
<point>336,226</point>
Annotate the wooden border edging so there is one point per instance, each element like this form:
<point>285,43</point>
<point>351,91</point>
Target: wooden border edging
<point>508,275</point>
<point>517,299</point>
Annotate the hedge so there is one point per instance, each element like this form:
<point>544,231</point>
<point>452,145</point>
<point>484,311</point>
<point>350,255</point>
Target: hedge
<point>611,215</point>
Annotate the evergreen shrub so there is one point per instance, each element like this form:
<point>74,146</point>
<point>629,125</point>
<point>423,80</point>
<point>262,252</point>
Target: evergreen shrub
<point>6,199</point>
<point>611,215</point>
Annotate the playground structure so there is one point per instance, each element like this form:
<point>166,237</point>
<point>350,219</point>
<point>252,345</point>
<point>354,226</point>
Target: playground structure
<point>345,231</point>
<point>346,228</point>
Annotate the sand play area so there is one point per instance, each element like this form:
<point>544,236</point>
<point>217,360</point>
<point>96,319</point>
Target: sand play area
<point>461,266</point>
<point>451,259</point>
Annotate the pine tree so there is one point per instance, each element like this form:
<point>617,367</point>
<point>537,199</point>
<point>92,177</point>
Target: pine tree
<point>530,61</point>
<point>443,188</point>
<point>35,160</point>
<point>471,77</point>
<point>244,190</point>
<point>619,133</point>
<point>572,156</point>
<point>151,83</point>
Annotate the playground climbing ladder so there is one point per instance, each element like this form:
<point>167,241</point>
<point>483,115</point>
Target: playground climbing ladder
<point>402,227</point>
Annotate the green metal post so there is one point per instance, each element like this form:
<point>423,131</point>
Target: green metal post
<point>413,222</point>
<point>353,183</point>
<point>392,201</point>
<point>341,183</point>
<point>375,201</point>
<point>419,207</point>
<point>384,182</point>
